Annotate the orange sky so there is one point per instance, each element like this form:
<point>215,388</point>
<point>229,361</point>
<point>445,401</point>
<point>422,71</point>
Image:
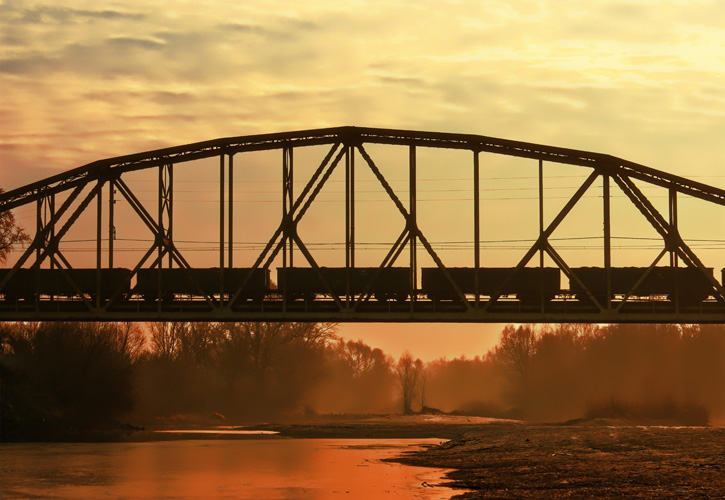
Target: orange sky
<point>642,80</point>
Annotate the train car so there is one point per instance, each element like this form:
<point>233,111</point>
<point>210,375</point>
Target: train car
<point>168,283</point>
<point>526,284</point>
<point>27,284</point>
<point>692,285</point>
<point>303,282</point>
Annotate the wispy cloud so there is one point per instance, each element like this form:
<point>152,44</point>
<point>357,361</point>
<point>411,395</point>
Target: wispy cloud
<point>18,12</point>
<point>589,71</point>
<point>144,43</point>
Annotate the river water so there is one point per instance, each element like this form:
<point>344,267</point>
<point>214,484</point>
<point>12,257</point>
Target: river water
<point>260,468</point>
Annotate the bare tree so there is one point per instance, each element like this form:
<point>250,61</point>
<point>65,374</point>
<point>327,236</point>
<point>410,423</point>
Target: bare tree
<point>10,234</point>
<point>130,339</point>
<point>517,347</point>
<point>200,343</point>
<point>263,341</point>
<point>358,357</point>
<point>423,378</point>
<point>409,371</point>
<point>166,338</point>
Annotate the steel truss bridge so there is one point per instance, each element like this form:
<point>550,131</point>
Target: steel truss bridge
<point>230,300</point>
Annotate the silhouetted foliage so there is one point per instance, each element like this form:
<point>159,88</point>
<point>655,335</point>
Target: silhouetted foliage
<point>648,373</point>
<point>11,234</point>
<point>244,370</point>
<point>358,379</point>
<point>575,370</point>
<point>61,376</point>
<point>517,347</point>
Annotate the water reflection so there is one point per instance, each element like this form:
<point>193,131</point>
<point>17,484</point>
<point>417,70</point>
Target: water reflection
<point>219,431</point>
<point>250,468</point>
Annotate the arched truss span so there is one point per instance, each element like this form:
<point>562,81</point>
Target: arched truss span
<point>232,296</point>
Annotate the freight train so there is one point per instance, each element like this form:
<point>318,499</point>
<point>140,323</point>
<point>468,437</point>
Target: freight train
<point>304,283</point>
<point>529,285</point>
<point>198,282</point>
<point>26,284</point>
<point>661,281</point>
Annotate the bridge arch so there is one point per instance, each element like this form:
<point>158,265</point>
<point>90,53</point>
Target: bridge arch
<point>475,294</point>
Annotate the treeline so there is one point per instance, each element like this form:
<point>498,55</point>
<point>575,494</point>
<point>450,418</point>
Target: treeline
<point>59,376</point>
<point>655,373</point>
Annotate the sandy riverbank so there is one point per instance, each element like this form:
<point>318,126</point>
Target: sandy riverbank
<point>591,460</point>
<point>381,426</point>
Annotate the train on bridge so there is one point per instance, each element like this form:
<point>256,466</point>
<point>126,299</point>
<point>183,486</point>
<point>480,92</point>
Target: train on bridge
<point>529,286</point>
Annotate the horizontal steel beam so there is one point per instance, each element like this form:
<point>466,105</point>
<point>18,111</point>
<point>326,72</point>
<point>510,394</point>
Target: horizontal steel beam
<point>352,316</point>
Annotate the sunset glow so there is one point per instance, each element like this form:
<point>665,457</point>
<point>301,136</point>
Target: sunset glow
<point>639,80</point>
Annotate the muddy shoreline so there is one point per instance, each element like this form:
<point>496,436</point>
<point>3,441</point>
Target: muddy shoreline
<point>609,459</point>
<point>491,458</point>
<point>582,461</point>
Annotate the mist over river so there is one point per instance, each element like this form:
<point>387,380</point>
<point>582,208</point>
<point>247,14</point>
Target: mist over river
<point>261,468</point>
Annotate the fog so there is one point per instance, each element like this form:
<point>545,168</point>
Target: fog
<point>651,372</point>
<point>64,377</point>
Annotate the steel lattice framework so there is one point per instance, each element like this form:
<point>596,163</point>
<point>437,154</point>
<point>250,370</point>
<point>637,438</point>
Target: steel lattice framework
<point>345,144</point>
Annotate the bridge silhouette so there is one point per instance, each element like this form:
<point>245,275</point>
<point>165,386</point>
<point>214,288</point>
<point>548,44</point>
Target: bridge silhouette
<point>284,281</point>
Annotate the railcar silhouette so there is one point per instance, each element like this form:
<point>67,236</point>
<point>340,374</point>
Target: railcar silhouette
<point>687,284</point>
<point>528,283</point>
<point>168,283</point>
<point>305,283</point>
<point>29,284</point>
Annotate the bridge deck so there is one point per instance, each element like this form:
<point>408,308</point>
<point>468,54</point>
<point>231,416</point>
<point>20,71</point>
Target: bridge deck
<point>422,311</point>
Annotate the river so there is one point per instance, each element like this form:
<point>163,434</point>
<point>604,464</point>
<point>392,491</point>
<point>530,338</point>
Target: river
<point>259,468</point>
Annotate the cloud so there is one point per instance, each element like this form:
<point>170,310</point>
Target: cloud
<point>26,65</point>
<point>109,14</point>
<point>285,31</point>
<point>39,14</point>
<point>136,42</point>
<point>560,72</point>
<point>407,81</point>
<point>242,28</point>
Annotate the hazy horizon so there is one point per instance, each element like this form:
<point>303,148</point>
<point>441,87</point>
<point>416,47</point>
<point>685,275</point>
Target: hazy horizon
<point>641,81</point>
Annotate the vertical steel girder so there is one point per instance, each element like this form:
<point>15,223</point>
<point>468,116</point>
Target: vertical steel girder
<point>349,221</point>
<point>413,221</point>
<point>221,228</point>
<point>99,246</point>
<point>166,211</point>
<point>231,212</point>
<point>111,223</point>
<point>541,232</point>
<point>45,211</point>
<point>606,219</point>
<point>287,202</point>
<point>674,258</point>
<point>476,228</point>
